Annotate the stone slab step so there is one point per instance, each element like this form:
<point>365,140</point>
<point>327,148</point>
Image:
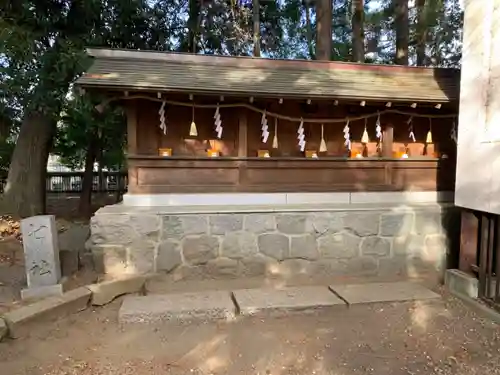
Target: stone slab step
<point>383,292</point>
<point>281,302</point>
<point>212,305</point>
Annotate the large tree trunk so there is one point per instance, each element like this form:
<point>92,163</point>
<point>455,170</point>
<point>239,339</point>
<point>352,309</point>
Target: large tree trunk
<point>193,25</point>
<point>401,23</point>
<point>309,35</point>
<point>421,33</point>
<point>85,205</point>
<point>256,28</point>
<point>324,29</point>
<point>25,190</point>
<point>358,33</point>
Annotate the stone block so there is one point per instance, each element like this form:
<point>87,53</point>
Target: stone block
<point>361,266</point>
<point>42,292</point>
<point>362,223</point>
<point>411,244</point>
<point>396,224</point>
<point>141,257</point>
<point>107,291</point>
<point>282,302</point>
<point>437,242</point>
<point>340,245</point>
<point>145,226</point>
<point>383,292</point>
<point>199,250</point>
<point>168,256</point>
<point>171,227</point>
<point>461,283</point>
<point>176,227</point>
<point>223,267</point>
<point>41,251</point>
<point>291,223</point>
<point>74,238</point>
<point>110,259</point>
<point>185,307</point>
<point>375,246</point>
<point>225,223</point>
<point>428,222</point>
<point>274,245</point>
<point>259,223</point>
<point>304,247</point>
<point>257,265</point>
<point>19,321</point>
<point>327,222</point>
<point>239,245</point>
<point>4,331</point>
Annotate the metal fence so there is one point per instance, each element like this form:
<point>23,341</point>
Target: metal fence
<point>489,259</point>
<point>71,182</point>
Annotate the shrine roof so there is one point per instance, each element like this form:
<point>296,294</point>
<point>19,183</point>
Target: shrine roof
<point>115,69</point>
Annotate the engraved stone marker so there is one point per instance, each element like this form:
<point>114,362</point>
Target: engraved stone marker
<point>41,255</point>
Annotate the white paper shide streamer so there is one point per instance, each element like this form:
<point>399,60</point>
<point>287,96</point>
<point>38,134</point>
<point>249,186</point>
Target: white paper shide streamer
<point>218,122</point>
<point>410,129</point>
<point>265,128</point>
<point>301,136</point>
<point>378,129</point>
<point>347,136</point>
<point>163,124</point>
<point>453,133</point>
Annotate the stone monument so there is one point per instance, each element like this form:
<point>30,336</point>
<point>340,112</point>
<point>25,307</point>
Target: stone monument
<point>41,255</point>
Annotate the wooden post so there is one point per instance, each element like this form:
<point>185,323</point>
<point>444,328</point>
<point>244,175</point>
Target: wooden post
<point>131,111</point>
<point>242,135</point>
<point>387,141</point>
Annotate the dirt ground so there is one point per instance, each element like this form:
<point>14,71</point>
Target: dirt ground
<point>402,338</point>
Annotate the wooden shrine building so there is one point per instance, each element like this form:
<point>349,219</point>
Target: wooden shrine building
<point>248,166</point>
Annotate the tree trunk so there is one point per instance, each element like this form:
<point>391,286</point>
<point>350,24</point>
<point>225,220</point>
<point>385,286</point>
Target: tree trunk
<point>193,25</point>
<point>324,29</point>
<point>256,28</point>
<point>358,33</point>
<point>421,33</point>
<point>401,23</point>
<point>309,36</point>
<point>85,205</point>
<point>25,190</point>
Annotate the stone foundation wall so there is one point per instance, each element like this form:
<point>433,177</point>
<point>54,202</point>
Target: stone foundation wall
<point>385,242</point>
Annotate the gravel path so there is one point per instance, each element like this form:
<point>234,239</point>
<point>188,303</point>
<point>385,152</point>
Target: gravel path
<point>441,337</point>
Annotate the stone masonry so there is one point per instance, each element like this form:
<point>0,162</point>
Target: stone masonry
<point>355,242</point>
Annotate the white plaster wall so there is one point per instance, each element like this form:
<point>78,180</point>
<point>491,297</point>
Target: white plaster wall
<point>478,160</point>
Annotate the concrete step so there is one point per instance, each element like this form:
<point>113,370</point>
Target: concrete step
<point>383,292</point>
<point>225,305</point>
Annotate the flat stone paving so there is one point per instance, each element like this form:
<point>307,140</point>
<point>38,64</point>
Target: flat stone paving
<point>383,292</point>
<point>212,305</point>
<point>277,302</point>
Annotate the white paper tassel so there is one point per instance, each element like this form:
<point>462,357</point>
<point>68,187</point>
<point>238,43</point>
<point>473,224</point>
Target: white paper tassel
<point>275,138</point>
<point>163,124</point>
<point>411,135</point>
<point>364,137</point>
<point>453,133</point>
<point>301,136</point>
<point>322,144</point>
<point>265,128</point>
<point>428,139</point>
<point>193,132</point>
<point>218,122</point>
<point>347,136</point>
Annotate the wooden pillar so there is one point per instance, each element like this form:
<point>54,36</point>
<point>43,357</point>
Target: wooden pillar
<point>242,134</point>
<point>387,141</point>
<point>242,149</point>
<point>131,111</point>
